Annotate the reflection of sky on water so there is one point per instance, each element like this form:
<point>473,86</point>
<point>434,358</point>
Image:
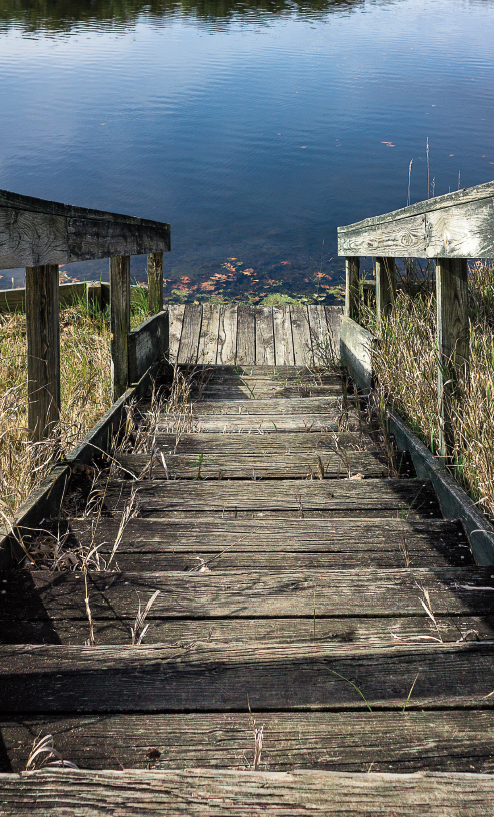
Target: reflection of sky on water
<point>255,135</point>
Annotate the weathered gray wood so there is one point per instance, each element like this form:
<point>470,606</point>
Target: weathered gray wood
<point>352,267</point>
<point>68,792</point>
<point>62,679</point>
<point>333,317</point>
<point>258,466</point>
<point>227,334</point>
<point>262,423</point>
<point>453,341</point>
<point>457,225</point>
<point>356,347</point>
<point>208,339</point>
<point>43,350</point>
<point>35,232</point>
<point>294,442</point>
<point>283,340</point>
<point>264,336</point>
<point>262,389</point>
<point>302,345</point>
<point>191,329</point>
<point>176,315</point>
<point>385,287</point>
<point>147,344</point>
<point>246,334</point>
<point>155,282</point>
<point>119,323</point>
<point>293,405</point>
<point>321,346</point>
<point>365,497</point>
<point>14,300</point>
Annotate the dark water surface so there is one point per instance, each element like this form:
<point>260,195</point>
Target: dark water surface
<point>255,129</point>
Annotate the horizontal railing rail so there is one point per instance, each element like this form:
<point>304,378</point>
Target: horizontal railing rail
<point>40,235</point>
<point>449,229</point>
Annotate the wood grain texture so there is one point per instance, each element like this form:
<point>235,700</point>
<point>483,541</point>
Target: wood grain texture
<point>68,792</point>
<point>349,742</point>
<point>305,405</point>
<point>333,319</point>
<point>176,313</point>
<point>43,350</point>
<point>458,225</point>
<point>263,423</point>
<point>227,334</point>
<point>293,442</point>
<point>191,330</point>
<point>155,282</point>
<point>119,323</point>
<point>264,336</point>
<point>352,271</point>
<point>319,334</point>
<point>45,679</point>
<point>246,334</point>
<point>302,345</point>
<point>283,339</point>
<point>208,339</point>
<point>147,344</point>
<point>256,466</point>
<point>228,594</point>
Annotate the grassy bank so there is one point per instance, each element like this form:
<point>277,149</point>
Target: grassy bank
<point>405,361</point>
<point>85,395</point>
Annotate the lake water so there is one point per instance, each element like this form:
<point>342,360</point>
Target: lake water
<point>254,129</point>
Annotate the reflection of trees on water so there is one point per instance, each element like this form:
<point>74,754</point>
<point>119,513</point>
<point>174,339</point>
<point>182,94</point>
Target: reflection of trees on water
<point>60,16</point>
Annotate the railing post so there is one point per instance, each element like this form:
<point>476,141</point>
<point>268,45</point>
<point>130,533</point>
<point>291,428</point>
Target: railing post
<point>453,340</point>
<point>352,263</point>
<point>43,349</point>
<point>119,322</point>
<point>385,287</point>
<point>155,282</point>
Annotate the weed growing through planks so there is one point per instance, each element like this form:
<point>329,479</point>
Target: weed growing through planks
<point>410,693</point>
<point>426,604</point>
<point>43,755</point>
<point>138,631</point>
<point>258,738</point>
<point>356,688</point>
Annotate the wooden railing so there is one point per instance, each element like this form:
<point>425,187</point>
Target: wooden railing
<point>39,235</point>
<point>449,229</point>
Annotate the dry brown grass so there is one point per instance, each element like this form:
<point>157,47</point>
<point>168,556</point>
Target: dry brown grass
<point>405,361</point>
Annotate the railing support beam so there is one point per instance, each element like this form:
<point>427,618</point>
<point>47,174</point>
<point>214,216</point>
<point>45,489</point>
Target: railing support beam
<point>385,287</point>
<point>119,322</point>
<point>352,264</point>
<point>43,349</point>
<point>155,282</point>
<point>453,341</point>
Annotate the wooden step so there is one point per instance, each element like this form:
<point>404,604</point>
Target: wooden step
<point>255,466</point>
<point>406,498</point>
<point>261,390</point>
<point>207,793</point>
<point>227,678</point>
<point>368,630</point>
<point>261,423</point>
<point>369,591</point>
<point>293,406</point>
<point>264,443</point>
<point>346,742</point>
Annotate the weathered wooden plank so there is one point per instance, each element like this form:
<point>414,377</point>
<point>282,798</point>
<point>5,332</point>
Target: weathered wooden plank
<point>305,405</point>
<point>119,323</point>
<point>453,341</point>
<point>302,346</point>
<point>294,442</point>
<point>356,348</point>
<point>208,339</point>
<point>263,423</point>
<point>264,336</point>
<point>155,282</point>
<point>352,294</point>
<point>176,315</point>
<point>202,792</point>
<point>246,334</point>
<point>208,677</point>
<point>322,346</point>
<point>370,630</point>
<point>349,742</point>
<point>258,466</point>
<point>35,232</point>
<point>371,591</point>
<point>457,225</point>
<point>191,330</point>
<point>147,344</point>
<point>283,339</point>
<point>334,315</point>
<point>262,389</point>
<point>227,334</point>
<point>43,349</point>
<point>385,287</point>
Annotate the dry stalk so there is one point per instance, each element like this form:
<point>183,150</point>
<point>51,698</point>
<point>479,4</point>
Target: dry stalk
<point>138,631</point>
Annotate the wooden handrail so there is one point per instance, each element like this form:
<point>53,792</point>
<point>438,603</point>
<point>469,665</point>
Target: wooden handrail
<point>451,229</point>
<point>39,235</point>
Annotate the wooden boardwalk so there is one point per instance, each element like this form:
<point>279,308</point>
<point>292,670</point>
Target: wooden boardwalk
<point>303,598</point>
